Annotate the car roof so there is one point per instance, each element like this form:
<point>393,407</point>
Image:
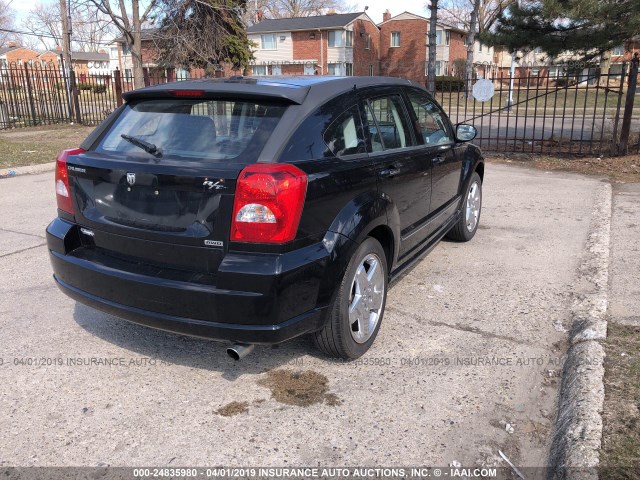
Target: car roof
<point>290,89</point>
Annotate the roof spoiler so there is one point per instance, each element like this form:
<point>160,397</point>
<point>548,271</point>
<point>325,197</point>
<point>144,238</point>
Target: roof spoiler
<point>231,87</point>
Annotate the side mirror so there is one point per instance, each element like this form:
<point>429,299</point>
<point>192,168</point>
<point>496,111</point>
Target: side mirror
<point>465,133</point>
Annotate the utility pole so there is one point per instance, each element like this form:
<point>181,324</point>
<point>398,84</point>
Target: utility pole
<point>431,63</point>
<point>65,14</point>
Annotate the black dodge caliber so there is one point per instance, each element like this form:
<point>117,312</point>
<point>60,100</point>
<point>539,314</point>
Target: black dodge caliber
<point>258,210</point>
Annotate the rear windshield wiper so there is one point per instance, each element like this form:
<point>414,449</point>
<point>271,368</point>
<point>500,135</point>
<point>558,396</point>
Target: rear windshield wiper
<point>146,146</point>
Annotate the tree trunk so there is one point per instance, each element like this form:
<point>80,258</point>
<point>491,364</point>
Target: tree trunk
<point>431,64</point>
<point>136,47</point>
<point>471,40</point>
<point>605,65</point>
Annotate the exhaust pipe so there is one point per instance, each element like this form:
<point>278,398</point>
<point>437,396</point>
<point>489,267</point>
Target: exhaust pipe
<point>238,351</point>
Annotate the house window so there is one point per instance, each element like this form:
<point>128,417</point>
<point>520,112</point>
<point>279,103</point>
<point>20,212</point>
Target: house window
<point>182,74</point>
<point>259,70</point>
<point>367,42</point>
<point>480,47</point>
<point>268,42</point>
<point>127,73</point>
<point>349,42</point>
<point>395,39</point>
<point>348,69</point>
<point>125,49</point>
<point>438,68</point>
<point>371,70</point>
<point>438,37</point>
<point>465,40</point>
<point>335,38</point>
<point>618,50</point>
<point>447,37</point>
<point>334,69</point>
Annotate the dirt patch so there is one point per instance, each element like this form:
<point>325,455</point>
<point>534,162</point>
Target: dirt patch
<point>620,456</point>
<point>36,145</point>
<point>623,169</point>
<point>233,408</point>
<point>299,388</point>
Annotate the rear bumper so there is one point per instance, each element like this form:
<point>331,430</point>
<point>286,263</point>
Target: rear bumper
<point>253,298</point>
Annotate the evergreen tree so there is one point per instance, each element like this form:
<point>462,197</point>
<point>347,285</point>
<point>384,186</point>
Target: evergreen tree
<point>202,33</point>
<point>586,27</point>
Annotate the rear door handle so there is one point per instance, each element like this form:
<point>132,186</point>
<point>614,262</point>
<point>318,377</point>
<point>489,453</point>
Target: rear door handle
<point>389,172</point>
<point>438,160</point>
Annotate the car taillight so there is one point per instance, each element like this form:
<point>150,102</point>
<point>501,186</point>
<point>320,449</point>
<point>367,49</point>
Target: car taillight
<point>268,203</point>
<point>63,192</point>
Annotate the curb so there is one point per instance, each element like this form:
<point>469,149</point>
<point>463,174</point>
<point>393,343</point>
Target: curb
<point>577,437</point>
<point>27,170</point>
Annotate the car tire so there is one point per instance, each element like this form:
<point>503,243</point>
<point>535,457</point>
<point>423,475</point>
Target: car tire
<point>466,227</point>
<point>348,333</point>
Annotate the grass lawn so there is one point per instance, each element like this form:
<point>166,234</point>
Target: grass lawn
<point>567,101</point>
<point>34,145</point>
<point>620,456</point>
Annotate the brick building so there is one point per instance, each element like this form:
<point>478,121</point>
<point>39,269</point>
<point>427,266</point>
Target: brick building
<point>120,58</point>
<point>352,44</point>
<point>332,44</point>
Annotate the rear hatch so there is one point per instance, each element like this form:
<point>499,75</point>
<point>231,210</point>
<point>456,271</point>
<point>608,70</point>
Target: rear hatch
<point>157,187</point>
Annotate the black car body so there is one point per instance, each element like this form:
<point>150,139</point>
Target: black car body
<point>231,209</point>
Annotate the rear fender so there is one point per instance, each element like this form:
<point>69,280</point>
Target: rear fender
<point>349,229</point>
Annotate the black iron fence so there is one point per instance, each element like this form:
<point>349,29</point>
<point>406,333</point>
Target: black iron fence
<point>579,114</point>
<point>575,114</point>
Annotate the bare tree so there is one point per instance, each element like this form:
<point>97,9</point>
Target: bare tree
<point>471,41</point>
<point>301,8</point>
<point>6,22</point>
<point>128,16</point>
<point>45,23</point>
<point>458,12</point>
<point>431,65</point>
<point>91,28</point>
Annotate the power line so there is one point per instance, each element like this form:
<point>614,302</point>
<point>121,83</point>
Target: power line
<point>46,35</point>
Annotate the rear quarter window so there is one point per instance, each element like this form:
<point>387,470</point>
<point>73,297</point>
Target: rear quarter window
<point>214,130</point>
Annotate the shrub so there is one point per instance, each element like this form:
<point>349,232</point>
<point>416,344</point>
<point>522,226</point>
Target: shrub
<point>84,86</point>
<point>448,83</point>
<point>564,82</point>
<point>99,88</point>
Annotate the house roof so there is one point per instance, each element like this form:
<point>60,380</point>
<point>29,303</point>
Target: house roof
<point>89,56</point>
<point>339,20</point>
<point>145,34</point>
<point>4,50</point>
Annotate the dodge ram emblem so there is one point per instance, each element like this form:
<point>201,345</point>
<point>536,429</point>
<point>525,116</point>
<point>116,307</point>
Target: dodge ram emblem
<point>131,178</point>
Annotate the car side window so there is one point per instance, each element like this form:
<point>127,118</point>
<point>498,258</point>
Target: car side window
<point>388,125</point>
<point>431,122</point>
<point>345,135</point>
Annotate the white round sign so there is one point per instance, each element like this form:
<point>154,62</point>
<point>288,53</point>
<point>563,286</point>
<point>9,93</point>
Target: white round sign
<point>483,90</point>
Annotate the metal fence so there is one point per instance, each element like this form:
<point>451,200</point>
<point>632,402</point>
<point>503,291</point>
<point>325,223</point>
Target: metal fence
<point>574,115</point>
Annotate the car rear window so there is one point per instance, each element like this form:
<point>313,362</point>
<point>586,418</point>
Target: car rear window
<point>215,130</point>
